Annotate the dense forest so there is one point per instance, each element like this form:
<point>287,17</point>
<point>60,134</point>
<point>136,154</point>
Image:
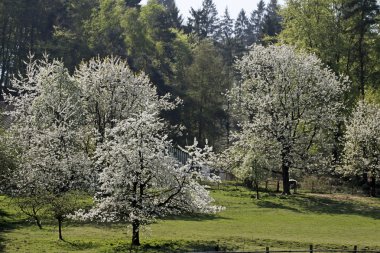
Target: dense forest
<point>191,59</point>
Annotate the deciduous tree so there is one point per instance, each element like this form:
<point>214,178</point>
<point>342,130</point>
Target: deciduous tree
<point>362,147</point>
<point>290,99</point>
<point>139,178</point>
<point>46,132</point>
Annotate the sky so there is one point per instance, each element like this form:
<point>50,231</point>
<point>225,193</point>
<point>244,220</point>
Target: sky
<point>234,6</point>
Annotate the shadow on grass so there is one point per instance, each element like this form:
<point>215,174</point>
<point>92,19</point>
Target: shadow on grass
<point>78,245</point>
<point>195,217</point>
<point>224,245</point>
<point>5,226</point>
<point>320,204</point>
<point>8,221</point>
<point>173,246</point>
<point>269,204</point>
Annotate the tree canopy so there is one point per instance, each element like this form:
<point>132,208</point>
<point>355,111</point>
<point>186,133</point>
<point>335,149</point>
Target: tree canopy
<point>289,100</point>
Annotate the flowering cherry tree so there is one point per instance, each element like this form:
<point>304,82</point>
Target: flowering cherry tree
<point>139,179</point>
<point>289,101</point>
<point>362,147</point>
<point>47,119</point>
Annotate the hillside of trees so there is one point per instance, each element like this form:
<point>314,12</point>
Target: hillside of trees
<point>97,94</point>
<point>192,59</point>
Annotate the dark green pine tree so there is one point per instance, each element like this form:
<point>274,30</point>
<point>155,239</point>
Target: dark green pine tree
<point>226,37</point>
<point>363,14</point>
<point>242,30</point>
<point>211,17</point>
<point>204,103</point>
<point>257,23</point>
<point>195,23</point>
<point>204,22</point>
<point>272,19</point>
<point>175,17</point>
<point>226,27</point>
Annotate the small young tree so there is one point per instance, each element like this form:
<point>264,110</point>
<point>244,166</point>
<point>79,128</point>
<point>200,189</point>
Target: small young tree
<point>362,148</point>
<point>250,158</point>
<point>288,99</point>
<point>33,206</point>
<point>46,131</point>
<point>63,205</point>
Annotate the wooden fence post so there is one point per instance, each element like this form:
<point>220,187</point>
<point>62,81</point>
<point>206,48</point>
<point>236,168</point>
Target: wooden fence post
<point>355,249</point>
<point>267,250</point>
<point>311,248</point>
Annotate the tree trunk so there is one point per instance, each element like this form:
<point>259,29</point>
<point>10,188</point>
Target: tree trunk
<point>365,178</point>
<point>285,165</point>
<point>278,186</point>
<point>362,55</point>
<point>136,233</point>
<point>373,186</point>
<point>35,216</point>
<point>285,180</point>
<point>257,190</point>
<point>38,222</point>
<point>200,124</point>
<point>228,126</point>
<point>60,228</point>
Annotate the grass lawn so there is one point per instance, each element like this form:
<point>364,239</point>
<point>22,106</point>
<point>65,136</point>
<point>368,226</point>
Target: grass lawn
<point>295,222</point>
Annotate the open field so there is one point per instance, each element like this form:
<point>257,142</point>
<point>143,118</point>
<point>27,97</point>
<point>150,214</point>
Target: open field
<point>326,221</point>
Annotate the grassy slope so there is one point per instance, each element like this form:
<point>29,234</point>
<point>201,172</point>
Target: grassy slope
<point>334,221</point>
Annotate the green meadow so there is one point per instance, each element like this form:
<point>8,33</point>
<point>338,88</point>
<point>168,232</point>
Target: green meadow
<point>328,221</point>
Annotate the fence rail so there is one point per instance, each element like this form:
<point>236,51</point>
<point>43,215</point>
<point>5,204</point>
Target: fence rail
<point>293,251</point>
<point>310,250</point>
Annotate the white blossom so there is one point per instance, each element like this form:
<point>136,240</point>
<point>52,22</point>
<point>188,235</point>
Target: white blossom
<point>290,102</point>
<point>139,179</point>
<point>46,130</point>
<point>362,147</point>
<point>112,92</point>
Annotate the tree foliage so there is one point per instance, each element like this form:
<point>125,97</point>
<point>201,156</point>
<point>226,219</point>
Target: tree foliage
<point>291,101</point>
<point>317,27</point>
<point>46,130</point>
<point>257,23</point>
<point>342,33</point>
<point>206,79</point>
<point>204,21</point>
<point>139,179</point>
<point>362,147</point>
<point>7,162</point>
